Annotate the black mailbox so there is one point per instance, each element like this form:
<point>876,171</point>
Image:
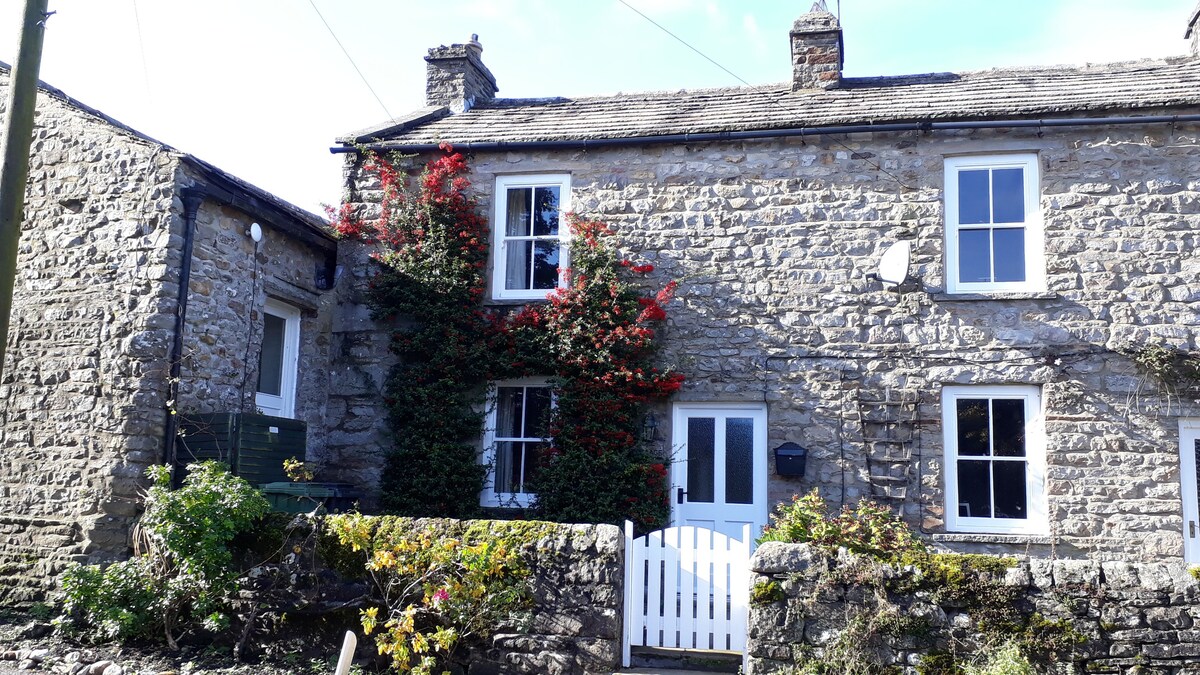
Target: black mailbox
<point>790,460</point>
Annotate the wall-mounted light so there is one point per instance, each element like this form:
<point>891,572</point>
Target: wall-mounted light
<point>650,428</point>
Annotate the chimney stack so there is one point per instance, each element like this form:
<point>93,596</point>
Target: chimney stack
<point>1193,30</point>
<point>456,77</point>
<point>816,49</point>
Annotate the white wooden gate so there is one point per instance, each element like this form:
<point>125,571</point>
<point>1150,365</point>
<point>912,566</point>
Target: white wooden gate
<point>686,588</point>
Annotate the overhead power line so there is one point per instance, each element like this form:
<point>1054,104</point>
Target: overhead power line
<point>351,60</point>
<point>775,101</point>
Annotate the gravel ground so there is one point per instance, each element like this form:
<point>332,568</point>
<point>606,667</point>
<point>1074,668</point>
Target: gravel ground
<point>30,646</point>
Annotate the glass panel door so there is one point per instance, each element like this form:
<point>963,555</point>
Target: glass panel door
<point>719,471</point>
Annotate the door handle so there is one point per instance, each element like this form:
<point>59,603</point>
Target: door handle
<point>1192,529</point>
<point>679,493</point>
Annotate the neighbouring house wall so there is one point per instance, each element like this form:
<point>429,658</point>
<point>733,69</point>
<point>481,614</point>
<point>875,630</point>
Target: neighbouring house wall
<point>774,241</point>
<point>84,385</point>
<point>1131,614</point>
<point>359,363</point>
<point>223,333</point>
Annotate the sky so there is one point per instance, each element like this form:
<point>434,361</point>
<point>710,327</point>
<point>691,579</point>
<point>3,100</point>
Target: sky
<point>262,89</point>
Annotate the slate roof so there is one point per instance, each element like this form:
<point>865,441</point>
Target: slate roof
<point>1137,87</point>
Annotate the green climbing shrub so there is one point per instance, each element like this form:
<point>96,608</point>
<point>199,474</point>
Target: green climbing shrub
<point>867,528</point>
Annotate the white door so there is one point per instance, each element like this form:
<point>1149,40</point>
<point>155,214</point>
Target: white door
<point>1189,454</point>
<point>719,472</point>
<point>277,360</point>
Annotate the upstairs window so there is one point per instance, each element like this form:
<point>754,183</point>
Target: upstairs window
<point>530,235</point>
<point>993,224</point>
<point>995,459</point>
<point>515,440</point>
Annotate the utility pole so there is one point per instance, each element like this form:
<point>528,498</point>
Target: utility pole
<point>18,134</point>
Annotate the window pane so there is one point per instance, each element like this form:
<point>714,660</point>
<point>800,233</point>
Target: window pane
<point>534,454</point>
<point>516,276</point>
<point>504,465</point>
<point>1008,195</point>
<point>545,215</point>
<point>974,255</point>
<point>739,460</point>
<point>1008,428</point>
<point>701,434</point>
<point>973,197</point>
<point>537,412</point>
<point>974,489</point>
<point>1010,489</point>
<point>1008,245</point>
<point>509,409</point>
<point>518,216</point>
<point>972,426</point>
<point>545,265</point>
<point>270,358</point>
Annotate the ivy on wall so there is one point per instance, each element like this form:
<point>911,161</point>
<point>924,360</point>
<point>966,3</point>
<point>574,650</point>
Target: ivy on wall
<point>595,338</point>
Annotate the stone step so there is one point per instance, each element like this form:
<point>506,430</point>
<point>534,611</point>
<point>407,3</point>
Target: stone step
<point>648,660</point>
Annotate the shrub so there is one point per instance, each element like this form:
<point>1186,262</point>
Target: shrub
<point>182,572</point>
<point>446,587</point>
<point>867,528</point>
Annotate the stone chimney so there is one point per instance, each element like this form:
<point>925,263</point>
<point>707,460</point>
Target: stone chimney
<point>816,49</point>
<point>1193,30</point>
<point>456,77</point>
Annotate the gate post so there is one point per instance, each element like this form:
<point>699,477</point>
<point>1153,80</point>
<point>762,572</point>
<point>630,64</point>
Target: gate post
<point>627,605</point>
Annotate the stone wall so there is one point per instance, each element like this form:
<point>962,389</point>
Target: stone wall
<point>578,600</point>
<point>231,278</point>
<point>774,241</point>
<point>81,401</point>
<point>1129,615</point>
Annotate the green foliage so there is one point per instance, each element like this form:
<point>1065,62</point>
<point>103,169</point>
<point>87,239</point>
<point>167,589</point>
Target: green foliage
<point>766,592</point>
<point>183,574</point>
<point>1173,367</point>
<point>1005,660</point>
<point>448,586</point>
<point>868,528</point>
<point>594,339</point>
<point>1194,570</point>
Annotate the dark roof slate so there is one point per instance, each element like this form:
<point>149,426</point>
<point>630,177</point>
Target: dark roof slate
<point>1135,87</point>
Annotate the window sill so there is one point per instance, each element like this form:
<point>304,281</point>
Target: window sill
<point>976,297</point>
<point>991,538</point>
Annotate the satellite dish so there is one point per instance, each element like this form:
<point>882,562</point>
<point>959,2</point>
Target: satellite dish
<point>893,265</point>
<point>255,232</point>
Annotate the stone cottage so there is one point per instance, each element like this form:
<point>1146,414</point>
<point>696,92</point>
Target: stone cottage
<point>147,281</point>
<point>1044,224</point>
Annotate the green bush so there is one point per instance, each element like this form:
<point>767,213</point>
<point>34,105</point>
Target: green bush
<point>182,573</point>
<point>868,528</point>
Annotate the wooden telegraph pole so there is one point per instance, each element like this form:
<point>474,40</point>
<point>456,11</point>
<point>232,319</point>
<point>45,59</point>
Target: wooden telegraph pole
<point>18,134</point>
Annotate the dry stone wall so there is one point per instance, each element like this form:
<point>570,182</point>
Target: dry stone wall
<point>1131,617</point>
<point>81,401</point>
<point>774,242</point>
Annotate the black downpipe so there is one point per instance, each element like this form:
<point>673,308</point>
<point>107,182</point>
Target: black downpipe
<point>757,134</point>
<point>192,199</point>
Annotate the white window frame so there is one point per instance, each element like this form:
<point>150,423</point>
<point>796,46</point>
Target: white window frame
<point>1189,434</point>
<point>1035,460</point>
<point>500,241</point>
<point>490,497</point>
<point>285,403</point>
<point>1035,244</point>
